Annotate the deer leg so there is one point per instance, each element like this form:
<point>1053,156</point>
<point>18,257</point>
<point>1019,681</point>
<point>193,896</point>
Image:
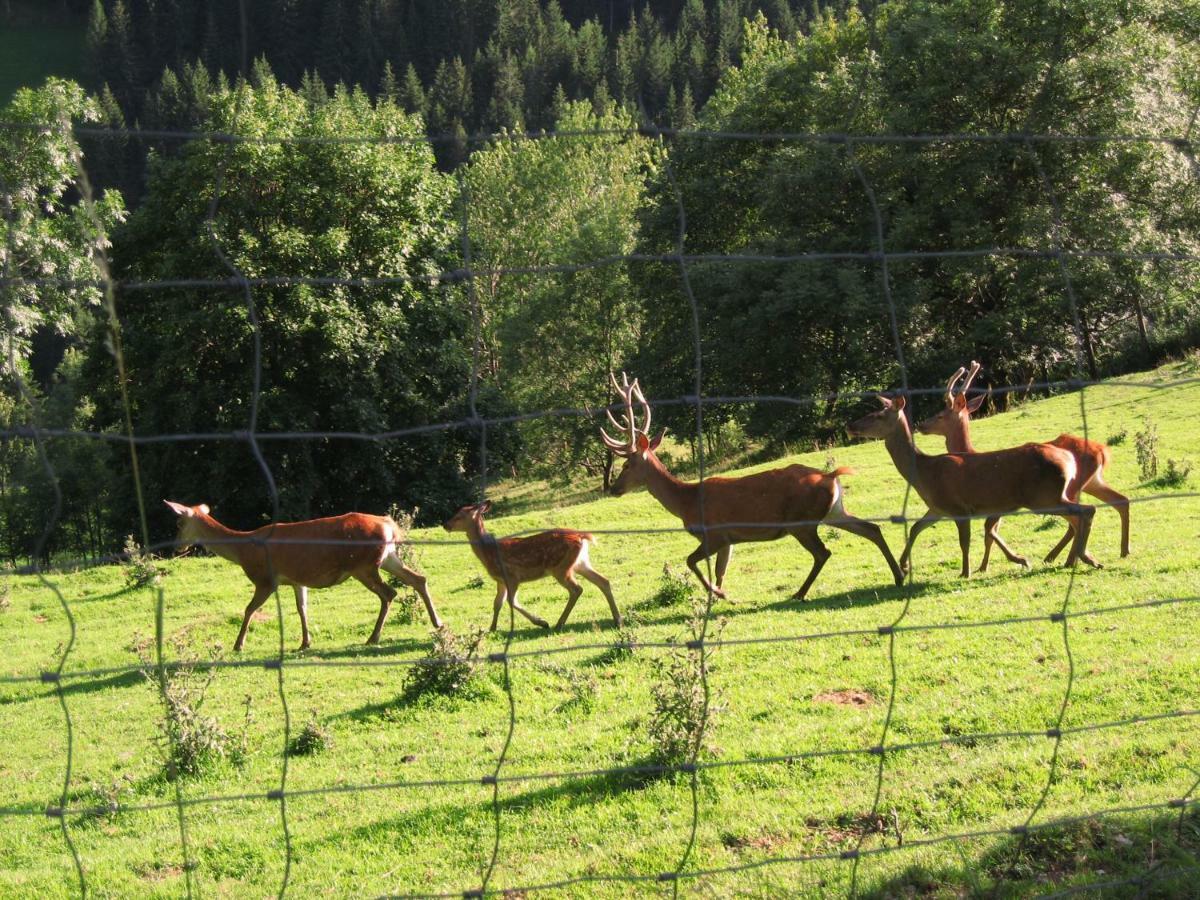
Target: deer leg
<point>1081,519</point>
<point>723,563</point>
<point>991,535</point>
<point>574,589</point>
<point>1118,501</point>
<point>302,609</point>
<point>386,594</point>
<point>811,541</point>
<point>501,593</point>
<point>1062,544</point>
<point>701,553</point>
<point>601,582</point>
<point>261,593</point>
<point>964,543</point>
<point>920,525</point>
<point>512,601</point>
<point>415,580</point>
<point>874,534</point>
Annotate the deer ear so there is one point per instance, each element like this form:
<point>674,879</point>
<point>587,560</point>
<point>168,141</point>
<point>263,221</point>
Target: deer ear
<point>974,405</point>
<point>484,508</point>
<point>178,508</point>
<point>900,402</point>
<point>642,442</point>
<point>203,507</point>
<point>658,440</point>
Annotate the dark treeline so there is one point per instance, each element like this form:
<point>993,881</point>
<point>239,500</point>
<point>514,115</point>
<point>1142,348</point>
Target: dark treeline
<point>351,328</point>
<point>466,66</point>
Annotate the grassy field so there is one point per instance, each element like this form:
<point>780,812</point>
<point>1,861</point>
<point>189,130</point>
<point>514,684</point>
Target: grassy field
<point>584,708</point>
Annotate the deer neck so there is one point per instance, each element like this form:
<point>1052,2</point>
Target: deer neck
<point>677,497</point>
<point>903,450</point>
<point>483,545</point>
<point>217,538</point>
<point>958,439</point>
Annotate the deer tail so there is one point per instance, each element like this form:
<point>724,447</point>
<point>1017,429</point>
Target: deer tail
<point>838,472</point>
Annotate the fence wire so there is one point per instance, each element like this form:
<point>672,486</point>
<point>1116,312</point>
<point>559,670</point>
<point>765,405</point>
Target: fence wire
<point>500,775</point>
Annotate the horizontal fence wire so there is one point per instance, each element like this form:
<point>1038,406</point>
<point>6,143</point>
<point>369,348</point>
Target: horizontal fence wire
<point>243,286</point>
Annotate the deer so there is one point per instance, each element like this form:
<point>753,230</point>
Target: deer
<point>511,562</point>
<point>1091,457</point>
<point>316,553</point>
<point>960,486</point>
<point>723,511</point>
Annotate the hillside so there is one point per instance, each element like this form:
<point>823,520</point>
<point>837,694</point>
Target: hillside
<point>785,708</point>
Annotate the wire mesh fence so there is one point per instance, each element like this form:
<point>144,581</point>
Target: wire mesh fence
<point>891,632</point>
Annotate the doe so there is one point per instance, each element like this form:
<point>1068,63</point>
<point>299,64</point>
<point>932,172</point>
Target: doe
<point>317,553</point>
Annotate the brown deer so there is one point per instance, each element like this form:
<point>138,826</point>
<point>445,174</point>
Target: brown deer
<point>317,553</point>
<point>512,561</point>
<point>954,424</point>
<point>965,485</point>
<point>721,512</point>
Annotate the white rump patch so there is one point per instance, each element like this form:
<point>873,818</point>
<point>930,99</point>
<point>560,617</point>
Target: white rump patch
<point>836,509</point>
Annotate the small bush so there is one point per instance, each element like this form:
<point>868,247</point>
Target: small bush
<point>1175,475</point>
<point>1117,438</point>
<point>192,742</point>
<point>682,718</point>
<point>1146,442</point>
<point>407,608</point>
<point>675,587</point>
<point>140,567</point>
<point>312,738</point>
<point>452,668</point>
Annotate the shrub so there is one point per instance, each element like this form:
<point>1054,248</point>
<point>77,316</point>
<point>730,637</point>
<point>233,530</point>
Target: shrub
<point>312,738</point>
<point>682,716</point>
<point>140,567</point>
<point>675,587</point>
<point>451,667</point>
<point>5,588</point>
<point>192,742</point>
<point>1117,438</point>
<point>1175,475</point>
<point>1146,442</point>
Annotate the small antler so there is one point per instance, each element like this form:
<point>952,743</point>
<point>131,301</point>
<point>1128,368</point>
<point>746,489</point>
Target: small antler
<point>950,386</point>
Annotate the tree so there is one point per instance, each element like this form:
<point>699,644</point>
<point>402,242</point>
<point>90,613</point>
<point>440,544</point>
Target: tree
<point>550,340</point>
<point>344,357</point>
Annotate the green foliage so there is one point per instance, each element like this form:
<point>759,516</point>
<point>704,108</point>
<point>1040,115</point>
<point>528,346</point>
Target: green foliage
<point>1146,442</point>
<point>141,569</point>
<point>676,587</point>
<point>551,340</point>
<point>452,669</point>
<point>581,685</point>
<point>192,742</point>
<point>1118,437</point>
<point>312,738</point>
<point>822,327</point>
<point>332,357</point>
<point>1175,475</point>
<point>48,234</point>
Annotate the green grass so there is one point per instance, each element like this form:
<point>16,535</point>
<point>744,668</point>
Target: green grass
<point>776,699</point>
<point>31,53</point>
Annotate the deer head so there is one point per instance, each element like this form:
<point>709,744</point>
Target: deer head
<point>635,447</point>
<point>189,530</point>
<point>883,422</point>
<point>953,417</point>
<point>468,517</point>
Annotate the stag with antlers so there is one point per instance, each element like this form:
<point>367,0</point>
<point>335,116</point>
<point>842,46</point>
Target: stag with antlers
<point>961,486</point>
<point>721,512</point>
<point>954,424</point>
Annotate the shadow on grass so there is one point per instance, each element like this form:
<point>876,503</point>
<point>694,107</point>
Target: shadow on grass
<point>1109,857</point>
<point>72,687</point>
<point>403,646</point>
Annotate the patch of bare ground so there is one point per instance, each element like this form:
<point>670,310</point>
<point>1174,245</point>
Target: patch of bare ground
<point>852,697</point>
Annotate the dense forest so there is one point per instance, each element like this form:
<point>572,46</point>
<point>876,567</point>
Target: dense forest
<point>300,284</point>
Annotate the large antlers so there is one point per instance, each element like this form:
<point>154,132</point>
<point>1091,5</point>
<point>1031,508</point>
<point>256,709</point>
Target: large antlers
<point>628,392</point>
